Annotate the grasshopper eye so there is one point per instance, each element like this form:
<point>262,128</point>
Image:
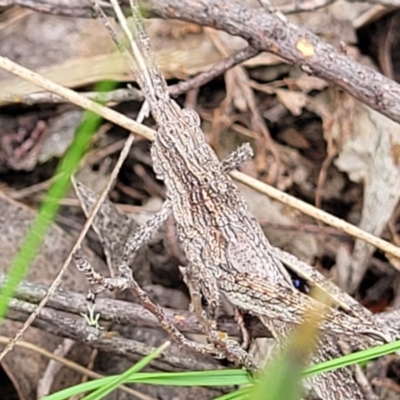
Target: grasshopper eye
<point>207,180</point>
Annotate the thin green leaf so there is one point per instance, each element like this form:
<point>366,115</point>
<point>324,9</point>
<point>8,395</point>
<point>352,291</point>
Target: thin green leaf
<point>120,379</point>
<point>225,377</point>
<point>354,358</point>
<point>228,377</point>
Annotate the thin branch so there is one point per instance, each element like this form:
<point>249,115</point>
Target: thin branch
<point>125,313</point>
<point>218,69</point>
<point>132,94</point>
<point>77,329</point>
<point>53,368</point>
<point>113,96</point>
<point>303,6</point>
<point>316,213</point>
<point>131,314</point>
<point>71,8</point>
<point>79,9</point>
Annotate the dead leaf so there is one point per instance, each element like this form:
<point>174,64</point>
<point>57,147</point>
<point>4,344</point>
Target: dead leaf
<point>293,101</point>
<point>294,138</point>
<point>367,156</point>
<point>307,83</point>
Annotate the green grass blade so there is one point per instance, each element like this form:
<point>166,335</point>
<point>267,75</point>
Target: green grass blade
<point>228,377</point>
<point>354,358</point>
<point>79,389</point>
<point>224,377</point>
<point>120,379</point>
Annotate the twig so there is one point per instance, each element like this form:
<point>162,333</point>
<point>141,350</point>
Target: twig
<point>72,8</point>
<point>304,6</point>
<point>76,328</point>
<point>218,69</point>
<point>117,310</point>
<point>132,94</point>
<point>53,368</point>
<point>118,95</point>
<point>125,313</point>
<point>77,9</point>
